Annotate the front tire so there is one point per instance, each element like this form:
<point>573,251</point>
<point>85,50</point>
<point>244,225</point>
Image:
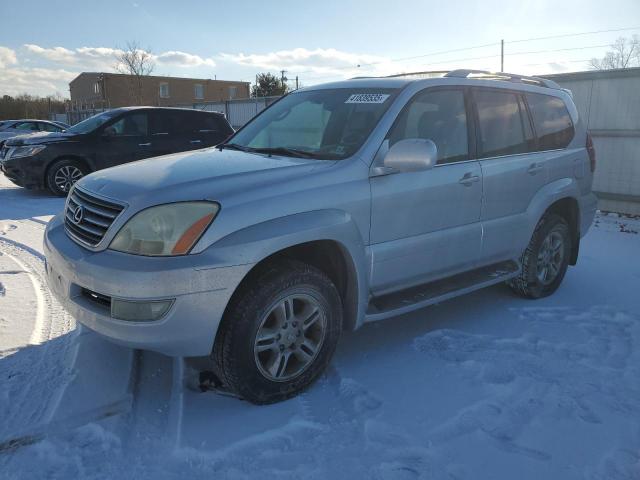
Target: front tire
<point>279,332</point>
<point>546,259</point>
<point>63,174</point>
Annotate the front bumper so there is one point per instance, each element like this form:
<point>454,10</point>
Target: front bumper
<point>25,172</point>
<point>201,290</point>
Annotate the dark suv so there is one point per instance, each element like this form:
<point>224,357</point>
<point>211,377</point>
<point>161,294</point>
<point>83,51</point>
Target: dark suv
<point>57,160</point>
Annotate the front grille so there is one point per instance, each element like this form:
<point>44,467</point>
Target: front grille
<point>96,216</point>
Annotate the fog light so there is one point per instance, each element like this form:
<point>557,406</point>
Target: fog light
<point>133,311</point>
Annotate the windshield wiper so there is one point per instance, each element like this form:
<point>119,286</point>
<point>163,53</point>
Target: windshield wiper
<point>292,152</point>
<point>235,146</point>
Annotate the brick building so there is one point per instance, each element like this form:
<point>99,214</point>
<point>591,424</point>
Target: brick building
<point>96,90</point>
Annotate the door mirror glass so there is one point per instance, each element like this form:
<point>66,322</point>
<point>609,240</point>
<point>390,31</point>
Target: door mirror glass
<point>411,155</point>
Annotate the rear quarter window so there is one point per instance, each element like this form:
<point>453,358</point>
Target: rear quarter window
<point>552,121</point>
<point>213,123</point>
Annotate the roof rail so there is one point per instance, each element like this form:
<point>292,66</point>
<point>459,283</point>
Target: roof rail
<point>509,77</point>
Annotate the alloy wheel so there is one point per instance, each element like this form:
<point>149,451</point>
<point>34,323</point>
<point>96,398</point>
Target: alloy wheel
<point>550,258</point>
<point>289,337</point>
<point>66,176</point>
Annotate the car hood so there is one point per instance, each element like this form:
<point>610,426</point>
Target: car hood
<point>203,174</point>
<point>39,138</point>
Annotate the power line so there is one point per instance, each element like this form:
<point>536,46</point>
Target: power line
<point>559,50</point>
<point>573,34</point>
<point>442,52</point>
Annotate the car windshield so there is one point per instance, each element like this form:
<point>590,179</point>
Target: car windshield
<point>324,124</point>
<point>91,123</point>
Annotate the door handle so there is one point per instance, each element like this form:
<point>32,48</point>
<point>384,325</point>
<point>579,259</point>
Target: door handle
<point>469,179</point>
<point>535,168</point>
<point>196,141</point>
<point>148,144</point>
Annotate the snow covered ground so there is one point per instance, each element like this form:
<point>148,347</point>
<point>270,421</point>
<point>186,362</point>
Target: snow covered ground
<point>484,386</point>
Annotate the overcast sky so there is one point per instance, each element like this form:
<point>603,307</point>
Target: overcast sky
<point>44,44</point>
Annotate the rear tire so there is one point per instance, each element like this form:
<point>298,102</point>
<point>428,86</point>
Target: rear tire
<point>62,174</point>
<point>545,260</point>
<point>279,332</point>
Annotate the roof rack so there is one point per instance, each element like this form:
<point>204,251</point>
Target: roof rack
<point>508,77</point>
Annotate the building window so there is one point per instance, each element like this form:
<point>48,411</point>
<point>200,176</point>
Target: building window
<point>164,90</point>
<point>233,91</point>
<point>96,88</point>
<point>199,91</point>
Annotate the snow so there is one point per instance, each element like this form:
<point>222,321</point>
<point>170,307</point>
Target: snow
<point>484,386</point>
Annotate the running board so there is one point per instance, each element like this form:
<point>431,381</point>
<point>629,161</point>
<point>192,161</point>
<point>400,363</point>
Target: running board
<point>421,296</point>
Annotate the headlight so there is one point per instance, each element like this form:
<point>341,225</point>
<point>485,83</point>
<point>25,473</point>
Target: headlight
<point>165,230</point>
<point>26,151</point>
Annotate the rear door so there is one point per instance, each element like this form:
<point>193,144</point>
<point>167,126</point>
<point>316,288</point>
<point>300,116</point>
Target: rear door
<point>163,129</point>
<point>512,170</point>
<point>124,140</point>
<point>426,225</point>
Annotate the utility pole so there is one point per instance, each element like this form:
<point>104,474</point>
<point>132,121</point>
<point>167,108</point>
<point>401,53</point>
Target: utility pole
<point>502,55</point>
<point>296,82</point>
<point>282,77</point>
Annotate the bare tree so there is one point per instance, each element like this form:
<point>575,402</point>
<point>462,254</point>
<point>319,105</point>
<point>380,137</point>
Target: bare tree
<point>137,62</point>
<point>624,53</point>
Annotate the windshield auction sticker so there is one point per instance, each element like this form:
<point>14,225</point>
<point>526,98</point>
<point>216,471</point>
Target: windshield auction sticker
<point>367,98</point>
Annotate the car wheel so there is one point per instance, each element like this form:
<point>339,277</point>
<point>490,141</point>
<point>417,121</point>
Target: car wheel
<point>279,332</point>
<point>545,261</point>
<point>63,174</point>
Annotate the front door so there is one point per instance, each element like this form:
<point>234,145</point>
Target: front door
<point>124,140</point>
<point>426,225</point>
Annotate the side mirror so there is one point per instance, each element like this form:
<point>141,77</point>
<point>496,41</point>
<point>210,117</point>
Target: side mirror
<point>411,155</point>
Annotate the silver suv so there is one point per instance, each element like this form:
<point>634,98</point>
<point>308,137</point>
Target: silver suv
<point>341,204</point>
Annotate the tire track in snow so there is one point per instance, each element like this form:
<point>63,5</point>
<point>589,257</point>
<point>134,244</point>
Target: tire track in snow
<point>36,374</point>
<point>37,334</point>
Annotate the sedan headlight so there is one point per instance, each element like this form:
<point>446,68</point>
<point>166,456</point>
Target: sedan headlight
<point>27,151</point>
<point>165,230</point>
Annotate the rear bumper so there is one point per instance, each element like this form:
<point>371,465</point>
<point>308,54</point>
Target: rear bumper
<point>200,292</point>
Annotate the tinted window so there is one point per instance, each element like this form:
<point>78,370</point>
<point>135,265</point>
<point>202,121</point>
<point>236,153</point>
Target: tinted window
<point>552,121</point>
<point>29,126</point>
<point>502,122</point>
<point>133,124</point>
<point>440,116</point>
<point>49,127</point>
<point>212,123</point>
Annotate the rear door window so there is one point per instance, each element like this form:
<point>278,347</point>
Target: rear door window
<point>502,122</point>
<point>551,118</point>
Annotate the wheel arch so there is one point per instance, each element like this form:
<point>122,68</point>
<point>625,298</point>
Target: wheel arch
<point>327,255</point>
<point>75,158</point>
<point>569,209</point>
<point>559,197</point>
